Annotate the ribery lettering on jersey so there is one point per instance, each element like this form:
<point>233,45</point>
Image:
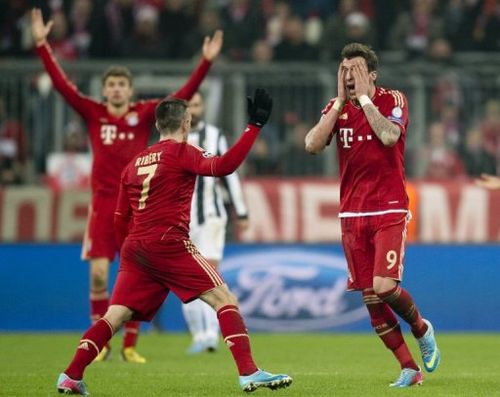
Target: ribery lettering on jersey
<point>148,159</point>
<point>109,133</point>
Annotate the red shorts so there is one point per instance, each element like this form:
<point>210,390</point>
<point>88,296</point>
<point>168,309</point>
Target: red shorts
<point>99,240</point>
<point>374,246</point>
<point>150,269</point>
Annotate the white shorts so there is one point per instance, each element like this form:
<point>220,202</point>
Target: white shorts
<point>209,237</point>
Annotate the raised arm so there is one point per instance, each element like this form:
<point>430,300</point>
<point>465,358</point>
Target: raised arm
<point>387,131</point>
<point>233,185</point>
<point>321,134</point>
<point>259,110</point>
<point>68,90</point>
<point>211,50</point>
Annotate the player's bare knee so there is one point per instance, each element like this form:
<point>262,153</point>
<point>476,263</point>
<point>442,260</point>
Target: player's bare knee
<point>383,284</point>
<point>378,289</point>
<point>99,270</point>
<point>98,280</point>
<point>219,297</point>
<point>231,299</point>
<point>224,296</point>
<point>117,315</point>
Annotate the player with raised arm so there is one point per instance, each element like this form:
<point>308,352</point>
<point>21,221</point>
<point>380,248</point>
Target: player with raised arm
<point>157,256</point>
<point>118,129</point>
<point>369,124</point>
<point>208,223</point>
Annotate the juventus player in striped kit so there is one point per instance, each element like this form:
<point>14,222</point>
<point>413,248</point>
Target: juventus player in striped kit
<point>157,256</point>
<point>118,129</point>
<point>208,222</point>
<point>369,125</point>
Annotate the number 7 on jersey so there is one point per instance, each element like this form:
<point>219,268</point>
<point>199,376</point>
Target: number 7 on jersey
<point>150,172</point>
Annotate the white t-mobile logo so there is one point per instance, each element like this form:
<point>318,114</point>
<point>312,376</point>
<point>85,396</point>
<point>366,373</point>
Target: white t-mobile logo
<point>108,134</point>
<point>346,136</point>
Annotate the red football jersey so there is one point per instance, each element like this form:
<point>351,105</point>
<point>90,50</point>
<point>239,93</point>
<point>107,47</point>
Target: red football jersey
<point>372,176</point>
<point>114,140</point>
<point>157,186</point>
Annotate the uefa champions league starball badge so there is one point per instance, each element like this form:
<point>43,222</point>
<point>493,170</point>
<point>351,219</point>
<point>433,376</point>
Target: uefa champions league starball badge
<point>397,112</point>
<point>132,119</point>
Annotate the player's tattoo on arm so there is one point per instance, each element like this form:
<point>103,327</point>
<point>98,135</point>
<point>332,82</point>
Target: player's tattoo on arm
<point>385,130</point>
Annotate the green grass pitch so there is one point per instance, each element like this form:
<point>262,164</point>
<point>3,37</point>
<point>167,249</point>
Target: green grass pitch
<point>321,365</point>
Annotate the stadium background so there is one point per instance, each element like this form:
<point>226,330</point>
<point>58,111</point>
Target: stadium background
<point>287,268</point>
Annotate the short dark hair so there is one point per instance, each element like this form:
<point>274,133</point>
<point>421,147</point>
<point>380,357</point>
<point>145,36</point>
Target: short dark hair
<point>117,71</point>
<point>354,50</point>
<point>169,114</point>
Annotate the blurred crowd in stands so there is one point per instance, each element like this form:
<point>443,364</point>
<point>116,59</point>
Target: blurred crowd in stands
<point>264,31</point>
<point>256,30</point>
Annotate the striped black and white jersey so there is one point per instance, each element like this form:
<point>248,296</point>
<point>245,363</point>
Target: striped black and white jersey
<point>208,199</point>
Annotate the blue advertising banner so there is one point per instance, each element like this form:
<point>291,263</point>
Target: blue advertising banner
<point>292,288</point>
<point>302,287</point>
<point>280,288</point>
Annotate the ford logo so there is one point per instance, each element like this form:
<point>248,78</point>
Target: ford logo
<point>289,289</point>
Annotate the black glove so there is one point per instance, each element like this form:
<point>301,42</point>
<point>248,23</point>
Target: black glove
<point>259,109</point>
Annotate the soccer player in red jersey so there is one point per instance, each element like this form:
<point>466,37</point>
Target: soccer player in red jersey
<point>118,129</point>
<point>369,124</point>
<point>157,255</point>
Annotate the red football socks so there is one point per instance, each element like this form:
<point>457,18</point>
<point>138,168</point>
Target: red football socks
<point>236,338</point>
<point>98,308</point>
<point>90,345</point>
<point>386,326</point>
<point>403,304</point>
<point>130,333</point>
